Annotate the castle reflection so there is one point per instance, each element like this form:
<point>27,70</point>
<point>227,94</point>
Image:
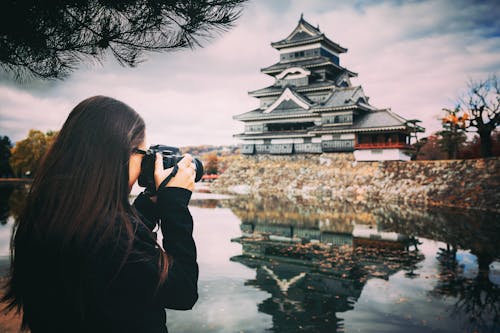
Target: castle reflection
<point>314,258</point>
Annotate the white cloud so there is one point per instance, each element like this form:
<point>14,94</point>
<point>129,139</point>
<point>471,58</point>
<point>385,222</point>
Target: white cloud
<point>415,57</point>
<point>21,111</point>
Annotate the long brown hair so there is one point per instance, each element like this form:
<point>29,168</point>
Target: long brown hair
<point>80,189</point>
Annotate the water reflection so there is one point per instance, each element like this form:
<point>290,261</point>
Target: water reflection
<point>326,266</point>
<point>310,283</point>
<point>466,278</point>
<point>315,257</point>
<point>12,199</point>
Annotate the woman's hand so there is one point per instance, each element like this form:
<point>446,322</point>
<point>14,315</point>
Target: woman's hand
<point>184,177</point>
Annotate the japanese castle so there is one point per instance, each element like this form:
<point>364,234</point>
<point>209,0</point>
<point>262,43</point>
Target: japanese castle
<point>312,107</point>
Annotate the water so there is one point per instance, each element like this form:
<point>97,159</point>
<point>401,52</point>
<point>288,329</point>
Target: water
<point>272,264</point>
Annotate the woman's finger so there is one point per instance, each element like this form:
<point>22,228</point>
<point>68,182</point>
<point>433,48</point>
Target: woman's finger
<point>186,160</point>
<point>158,163</point>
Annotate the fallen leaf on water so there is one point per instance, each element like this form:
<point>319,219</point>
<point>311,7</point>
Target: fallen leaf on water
<point>402,300</point>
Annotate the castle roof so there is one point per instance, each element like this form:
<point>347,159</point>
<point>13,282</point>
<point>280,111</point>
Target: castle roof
<point>305,33</point>
<point>338,99</point>
<point>380,118</point>
<point>258,114</point>
<point>371,121</point>
<point>318,61</point>
<point>375,120</point>
<point>276,89</point>
<point>345,96</point>
<point>276,134</point>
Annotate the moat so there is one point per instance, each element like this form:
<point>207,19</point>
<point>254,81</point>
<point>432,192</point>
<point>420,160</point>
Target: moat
<point>293,264</point>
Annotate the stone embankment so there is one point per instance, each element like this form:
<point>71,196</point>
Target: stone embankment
<point>453,183</point>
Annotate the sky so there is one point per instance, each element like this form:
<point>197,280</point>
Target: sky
<point>414,57</point>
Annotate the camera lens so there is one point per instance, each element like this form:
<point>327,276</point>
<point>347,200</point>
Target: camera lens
<point>199,169</point>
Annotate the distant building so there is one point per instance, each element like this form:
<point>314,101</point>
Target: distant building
<point>313,108</point>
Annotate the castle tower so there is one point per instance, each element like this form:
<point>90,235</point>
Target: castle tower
<point>312,107</point>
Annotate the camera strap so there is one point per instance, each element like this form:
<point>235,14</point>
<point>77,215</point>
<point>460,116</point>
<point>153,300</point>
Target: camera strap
<point>170,176</point>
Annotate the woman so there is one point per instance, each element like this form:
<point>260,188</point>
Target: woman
<point>82,258</point>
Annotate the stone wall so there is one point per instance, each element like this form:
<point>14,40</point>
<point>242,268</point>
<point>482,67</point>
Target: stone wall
<point>454,183</point>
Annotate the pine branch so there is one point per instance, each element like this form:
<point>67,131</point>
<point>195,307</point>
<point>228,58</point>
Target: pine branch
<point>49,40</point>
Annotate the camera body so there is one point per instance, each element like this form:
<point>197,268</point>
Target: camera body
<point>171,156</point>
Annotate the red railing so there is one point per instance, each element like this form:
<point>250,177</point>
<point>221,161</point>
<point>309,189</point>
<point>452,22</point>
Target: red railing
<point>380,145</point>
<point>209,177</point>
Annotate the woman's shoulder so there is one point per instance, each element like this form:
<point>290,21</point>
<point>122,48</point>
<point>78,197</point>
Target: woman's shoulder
<point>128,234</point>
<point>129,244</point>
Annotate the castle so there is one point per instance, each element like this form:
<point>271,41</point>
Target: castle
<point>312,107</point>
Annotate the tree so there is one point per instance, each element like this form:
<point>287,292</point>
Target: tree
<point>472,148</point>
<point>417,146</point>
<point>451,142</point>
<point>431,149</point>
<point>212,166</point>
<point>480,111</point>
<point>48,39</point>
<point>27,154</point>
<point>452,137</point>
<point>5,147</point>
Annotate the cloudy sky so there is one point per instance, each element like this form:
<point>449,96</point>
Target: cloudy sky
<point>413,56</point>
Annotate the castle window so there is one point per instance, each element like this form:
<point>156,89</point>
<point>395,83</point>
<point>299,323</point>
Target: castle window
<point>338,119</point>
<point>274,127</point>
<point>332,57</point>
<point>254,128</point>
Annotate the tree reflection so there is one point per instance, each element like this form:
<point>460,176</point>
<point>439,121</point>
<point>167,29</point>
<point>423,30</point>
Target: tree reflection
<point>204,203</point>
<point>5,192</point>
<point>477,297</point>
<point>17,200</point>
<point>12,199</point>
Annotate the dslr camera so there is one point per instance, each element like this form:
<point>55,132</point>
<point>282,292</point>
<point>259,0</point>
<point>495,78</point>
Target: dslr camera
<point>171,156</point>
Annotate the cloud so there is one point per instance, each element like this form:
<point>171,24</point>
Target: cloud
<point>413,56</point>
<point>20,111</point>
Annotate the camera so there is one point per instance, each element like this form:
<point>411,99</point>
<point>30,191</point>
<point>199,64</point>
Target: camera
<point>171,156</point>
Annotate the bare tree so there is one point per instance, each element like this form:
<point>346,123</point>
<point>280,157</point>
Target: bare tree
<point>480,108</point>
<point>48,39</point>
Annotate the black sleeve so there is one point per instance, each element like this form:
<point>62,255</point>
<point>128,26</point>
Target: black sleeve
<point>180,290</point>
<point>135,285</point>
<point>148,210</point>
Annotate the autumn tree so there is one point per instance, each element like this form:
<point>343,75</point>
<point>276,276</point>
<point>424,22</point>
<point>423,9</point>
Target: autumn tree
<point>480,111</point>
<point>212,165</point>
<point>431,149</point>
<point>49,39</point>
<point>452,137</point>
<point>27,154</point>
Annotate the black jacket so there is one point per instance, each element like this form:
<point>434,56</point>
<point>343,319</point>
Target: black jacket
<point>130,303</point>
